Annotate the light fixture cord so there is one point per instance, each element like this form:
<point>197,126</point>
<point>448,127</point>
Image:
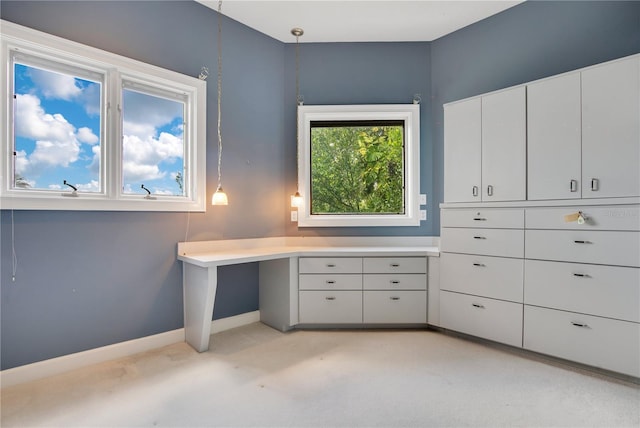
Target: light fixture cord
<point>219,92</point>
<point>297,113</point>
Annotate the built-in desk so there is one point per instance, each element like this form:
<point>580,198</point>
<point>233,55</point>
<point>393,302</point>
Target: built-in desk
<point>278,258</point>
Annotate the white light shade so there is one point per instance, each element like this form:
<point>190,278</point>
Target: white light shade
<point>296,200</point>
<point>219,197</point>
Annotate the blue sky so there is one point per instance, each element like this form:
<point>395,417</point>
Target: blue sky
<point>57,134</point>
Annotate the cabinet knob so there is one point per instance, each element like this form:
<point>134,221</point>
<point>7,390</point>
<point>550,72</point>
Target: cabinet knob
<point>479,264</point>
<point>479,237</point>
<point>475,190</point>
<point>331,281</point>
<point>580,324</point>
<point>477,305</point>
<point>394,281</point>
<point>595,184</point>
<point>330,298</point>
<point>394,298</point>
<point>394,265</point>
<point>330,265</point>
<point>479,219</point>
<point>581,275</point>
<point>489,190</point>
<point>579,241</point>
<point>573,185</point>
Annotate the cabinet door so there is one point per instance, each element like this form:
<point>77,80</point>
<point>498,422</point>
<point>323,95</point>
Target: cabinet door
<point>462,133</point>
<point>611,130</point>
<point>504,146</point>
<point>554,138</point>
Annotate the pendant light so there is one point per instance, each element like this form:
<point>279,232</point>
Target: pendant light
<point>296,199</point>
<point>219,197</point>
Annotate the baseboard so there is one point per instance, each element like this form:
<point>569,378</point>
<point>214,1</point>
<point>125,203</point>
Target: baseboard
<point>65,363</point>
<point>235,321</point>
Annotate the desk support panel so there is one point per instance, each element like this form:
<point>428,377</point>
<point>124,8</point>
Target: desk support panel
<point>200,286</point>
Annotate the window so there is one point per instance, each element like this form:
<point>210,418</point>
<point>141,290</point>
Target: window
<point>359,165</point>
<point>111,132</point>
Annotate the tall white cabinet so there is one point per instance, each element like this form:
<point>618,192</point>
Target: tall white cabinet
<point>551,263</point>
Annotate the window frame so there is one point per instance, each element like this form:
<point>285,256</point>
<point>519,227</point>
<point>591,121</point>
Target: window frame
<point>116,69</point>
<point>409,114</point>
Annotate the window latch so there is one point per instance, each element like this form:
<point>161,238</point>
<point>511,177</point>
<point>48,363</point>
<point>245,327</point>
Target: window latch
<point>148,195</point>
<point>74,193</point>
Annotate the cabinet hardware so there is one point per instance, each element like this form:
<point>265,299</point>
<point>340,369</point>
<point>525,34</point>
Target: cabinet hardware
<point>475,190</point>
<point>573,185</point>
<point>479,237</point>
<point>394,282</point>
<point>330,298</point>
<point>595,184</point>
<point>489,190</point>
<point>581,275</point>
<point>394,298</point>
<point>395,265</point>
<point>479,264</point>
<point>479,219</point>
<point>579,324</point>
<point>331,265</point>
<point>582,242</point>
<point>475,305</point>
<point>331,282</point>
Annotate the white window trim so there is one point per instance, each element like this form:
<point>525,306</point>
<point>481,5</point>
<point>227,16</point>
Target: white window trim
<point>409,114</point>
<point>116,68</point>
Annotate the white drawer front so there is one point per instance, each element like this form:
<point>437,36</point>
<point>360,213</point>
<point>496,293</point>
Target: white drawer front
<point>392,307</point>
<point>488,318</point>
<point>402,281</point>
<point>607,291</point>
<point>621,217</point>
<point>330,265</point>
<point>597,247</point>
<point>395,265</point>
<point>488,242</point>
<point>600,342</point>
<point>483,217</point>
<point>330,307</point>
<point>495,277</point>
<point>345,281</point>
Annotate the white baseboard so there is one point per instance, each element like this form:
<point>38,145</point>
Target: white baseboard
<point>65,363</point>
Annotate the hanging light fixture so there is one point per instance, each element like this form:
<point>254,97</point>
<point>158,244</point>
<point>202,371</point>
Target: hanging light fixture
<point>219,197</point>
<point>296,199</point>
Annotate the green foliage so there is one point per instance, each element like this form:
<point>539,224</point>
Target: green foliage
<point>357,170</point>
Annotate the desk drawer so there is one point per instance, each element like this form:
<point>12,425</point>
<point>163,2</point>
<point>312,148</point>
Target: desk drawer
<point>491,319</point>
<point>395,265</point>
<point>596,247</point>
<point>620,217</point>
<point>483,217</point>
<point>488,242</point>
<point>330,307</point>
<point>403,281</point>
<point>345,281</point>
<point>600,342</point>
<point>495,277</point>
<point>330,264</point>
<point>395,307</point>
<point>607,291</point>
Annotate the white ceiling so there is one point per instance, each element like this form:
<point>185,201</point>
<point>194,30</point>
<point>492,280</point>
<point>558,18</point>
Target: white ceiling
<point>359,20</point>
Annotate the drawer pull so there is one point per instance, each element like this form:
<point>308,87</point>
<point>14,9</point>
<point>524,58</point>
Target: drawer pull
<point>394,298</point>
<point>394,265</point>
<point>479,237</point>
<point>579,324</point>
<point>331,282</point>
<point>489,190</point>
<point>479,219</point>
<point>394,282</point>
<point>595,185</point>
<point>582,242</point>
<point>479,264</point>
<point>476,305</point>
<point>573,185</point>
<point>581,275</point>
<point>475,190</point>
<point>330,265</point>
<point>330,298</point>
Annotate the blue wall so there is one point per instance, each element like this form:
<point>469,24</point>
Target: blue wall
<point>89,279</point>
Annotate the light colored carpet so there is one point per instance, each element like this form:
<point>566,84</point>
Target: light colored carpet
<point>256,376</point>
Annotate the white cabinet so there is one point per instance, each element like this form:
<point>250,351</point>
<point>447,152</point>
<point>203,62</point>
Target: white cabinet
<point>462,151</point>
<point>356,290</point>
<point>485,148</point>
<point>611,129</point>
<point>554,160</point>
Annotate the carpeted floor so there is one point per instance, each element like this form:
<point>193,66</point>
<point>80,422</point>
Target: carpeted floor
<point>256,376</point>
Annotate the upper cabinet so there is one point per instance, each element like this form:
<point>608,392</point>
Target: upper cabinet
<point>485,148</point>
<point>553,134</point>
<point>611,129</point>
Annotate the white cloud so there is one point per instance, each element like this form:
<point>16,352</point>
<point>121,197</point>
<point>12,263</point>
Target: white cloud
<point>55,85</point>
<point>86,135</point>
<point>34,123</point>
<point>92,186</point>
<point>141,157</point>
